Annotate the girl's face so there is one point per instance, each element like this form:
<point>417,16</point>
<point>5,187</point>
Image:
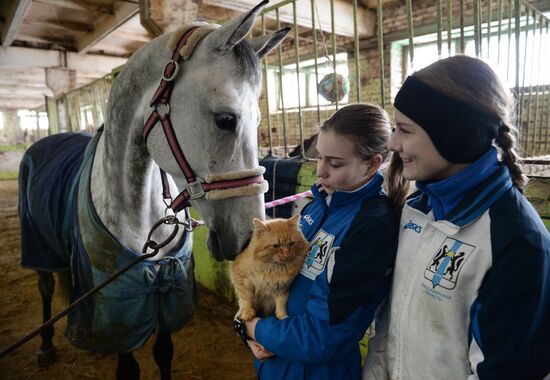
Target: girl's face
<point>421,160</point>
<point>339,167</point>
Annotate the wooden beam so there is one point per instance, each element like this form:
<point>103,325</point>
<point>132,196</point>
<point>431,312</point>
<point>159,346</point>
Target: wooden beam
<point>366,19</point>
<point>63,26</point>
<point>65,4</point>
<point>20,102</point>
<point>105,25</point>
<point>13,13</point>
<point>130,36</point>
<point>17,90</point>
<point>371,4</point>
<point>19,57</point>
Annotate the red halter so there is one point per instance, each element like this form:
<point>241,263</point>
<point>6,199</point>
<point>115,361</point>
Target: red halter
<point>196,187</point>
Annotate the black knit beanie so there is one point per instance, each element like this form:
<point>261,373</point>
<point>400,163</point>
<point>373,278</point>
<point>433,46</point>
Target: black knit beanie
<point>460,132</point>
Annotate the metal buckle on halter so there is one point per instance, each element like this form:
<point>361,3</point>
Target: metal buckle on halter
<point>195,189</point>
<point>162,109</point>
<point>171,78</point>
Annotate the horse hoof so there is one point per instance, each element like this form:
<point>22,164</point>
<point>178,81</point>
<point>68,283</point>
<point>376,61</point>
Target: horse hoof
<point>46,358</point>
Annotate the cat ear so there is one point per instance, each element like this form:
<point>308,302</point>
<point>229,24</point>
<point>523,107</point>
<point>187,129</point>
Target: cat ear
<point>294,220</point>
<point>259,226</point>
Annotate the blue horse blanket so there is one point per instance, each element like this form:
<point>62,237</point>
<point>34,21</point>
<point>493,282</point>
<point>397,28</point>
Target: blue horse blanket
<point>61,231</point>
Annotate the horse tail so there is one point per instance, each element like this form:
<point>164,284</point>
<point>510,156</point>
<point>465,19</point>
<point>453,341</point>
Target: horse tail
<point>65,281</point>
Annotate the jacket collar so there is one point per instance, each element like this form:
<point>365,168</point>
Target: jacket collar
<point>465,196</point>
<point>342,198</point>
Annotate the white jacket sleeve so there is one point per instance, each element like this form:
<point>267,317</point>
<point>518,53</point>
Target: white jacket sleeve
<point>376,367</point>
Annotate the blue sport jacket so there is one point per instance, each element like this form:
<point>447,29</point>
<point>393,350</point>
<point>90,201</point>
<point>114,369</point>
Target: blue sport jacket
<point>333,299</point>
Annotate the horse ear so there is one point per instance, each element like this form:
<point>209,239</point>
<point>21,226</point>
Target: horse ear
<point>264,44</point>
<point>231,33</point>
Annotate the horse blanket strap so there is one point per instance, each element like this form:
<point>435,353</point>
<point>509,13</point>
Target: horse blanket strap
<point>219,186</point>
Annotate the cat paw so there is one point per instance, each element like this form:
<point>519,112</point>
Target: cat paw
<point>281,314</point>
<point>247,314</point>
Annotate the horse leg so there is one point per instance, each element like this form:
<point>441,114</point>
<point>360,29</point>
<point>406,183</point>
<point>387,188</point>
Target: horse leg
<point>127,367</point>
<point>46,284</point>
<point>163,350</point>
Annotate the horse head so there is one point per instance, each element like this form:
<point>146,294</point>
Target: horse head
<point>214,112</point>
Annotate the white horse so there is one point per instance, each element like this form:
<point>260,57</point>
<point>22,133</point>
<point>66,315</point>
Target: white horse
<point>199,126</point>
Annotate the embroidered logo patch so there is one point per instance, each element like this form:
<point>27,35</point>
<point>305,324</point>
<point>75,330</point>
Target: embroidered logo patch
<point>308,219</point>
<point>413,226</point>
<point>444,267</point>
<point>318,255</point>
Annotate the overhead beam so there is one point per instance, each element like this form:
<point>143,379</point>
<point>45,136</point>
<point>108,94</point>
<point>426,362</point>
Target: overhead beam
<point>13,12</point>
<point>343,10</point>
<point>17,90</point>
<point>372,4</point>
<point>65,4</point>
<point>18,102</point>
<point>63,26</point>
<point>21,57</point>
<point>107,24</point>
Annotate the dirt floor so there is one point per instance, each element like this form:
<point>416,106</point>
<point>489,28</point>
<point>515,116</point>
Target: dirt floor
<point>206,348</point>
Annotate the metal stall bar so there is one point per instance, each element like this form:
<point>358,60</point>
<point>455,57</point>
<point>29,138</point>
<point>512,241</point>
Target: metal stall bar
<point>266,94</point>
<point>449,27</point>
<point>480,19</point>
<point>517,15</point>
<point>489,20</point>
<point>547,56</point>
<point>333,39</point>
<point>411,31</point>
<point>477,26</point>
<point>462,43</point>
<point>315,56</point>
<point>356,52</point>
<point>438,27</point>
<point>280,57</point>
<point>380,27</point>
<point>510,12</point>
<point>499,29</point>
<point>539,91</point>
<point>530,98</point>
<point>297,57</point>
<point>522,92</point>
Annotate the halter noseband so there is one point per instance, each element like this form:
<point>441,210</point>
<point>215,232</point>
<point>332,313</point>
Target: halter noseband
<point>219,186</point>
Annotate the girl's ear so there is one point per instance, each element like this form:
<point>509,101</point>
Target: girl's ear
<point>375,163</point>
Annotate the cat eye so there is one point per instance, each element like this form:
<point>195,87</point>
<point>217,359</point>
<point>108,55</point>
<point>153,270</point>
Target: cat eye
<point>226,121</point>
<point>276,245</point>
<point>291,243</point>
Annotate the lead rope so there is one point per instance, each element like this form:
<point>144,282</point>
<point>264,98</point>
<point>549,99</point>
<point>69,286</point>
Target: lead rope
<point>189,224</point>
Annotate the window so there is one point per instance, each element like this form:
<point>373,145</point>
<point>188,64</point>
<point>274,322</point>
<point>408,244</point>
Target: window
<point>31,120</point>
<point>501,56</point>
<point>308,83</point>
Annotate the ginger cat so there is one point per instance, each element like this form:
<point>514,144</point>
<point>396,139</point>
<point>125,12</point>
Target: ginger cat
<point>263,272</point>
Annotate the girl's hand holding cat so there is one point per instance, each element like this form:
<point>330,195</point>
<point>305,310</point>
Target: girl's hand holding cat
<point>259,351</point>
<point>251,327</point>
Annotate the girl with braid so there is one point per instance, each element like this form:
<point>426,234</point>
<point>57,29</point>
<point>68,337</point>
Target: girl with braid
<point>471,287</point>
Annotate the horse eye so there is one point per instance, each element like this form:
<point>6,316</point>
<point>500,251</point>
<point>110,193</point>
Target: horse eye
<point>226,121</point>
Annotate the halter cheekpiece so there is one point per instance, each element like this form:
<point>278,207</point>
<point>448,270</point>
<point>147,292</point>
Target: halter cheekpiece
<point>218,186</point>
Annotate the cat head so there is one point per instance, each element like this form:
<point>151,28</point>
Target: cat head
<point>279,240</point>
